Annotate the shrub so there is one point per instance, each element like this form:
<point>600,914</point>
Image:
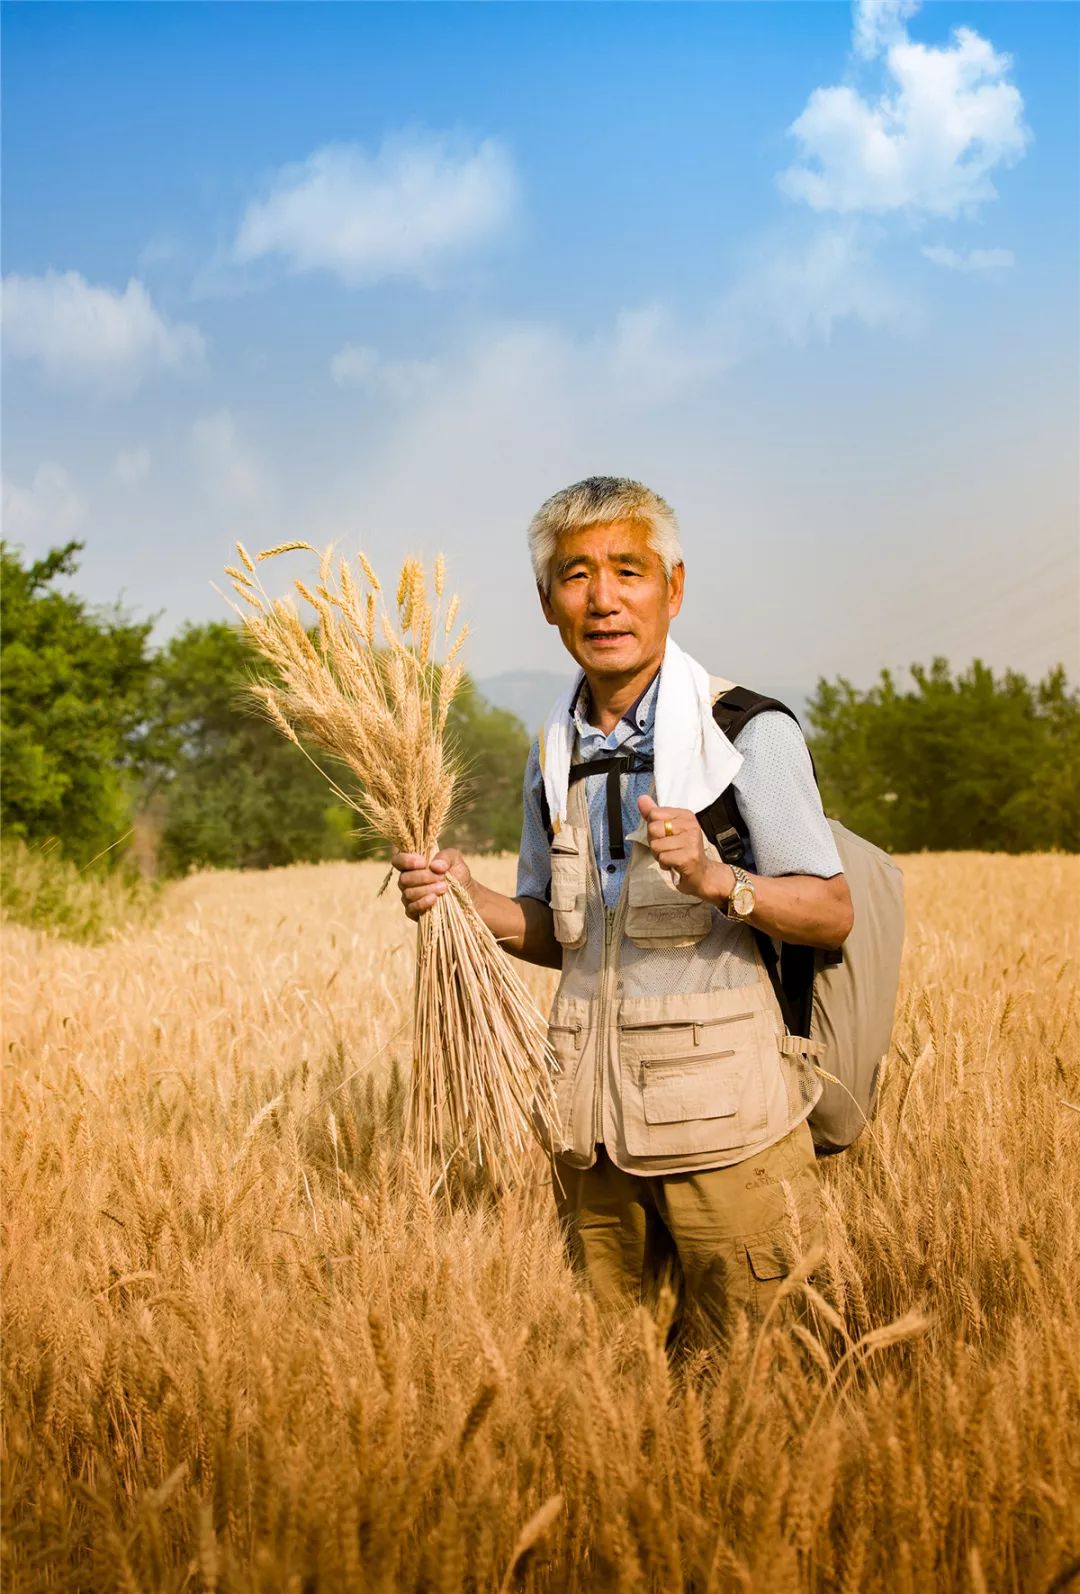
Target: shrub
<point>41,888</point>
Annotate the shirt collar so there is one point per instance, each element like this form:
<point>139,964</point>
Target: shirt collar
<point>637,718</point>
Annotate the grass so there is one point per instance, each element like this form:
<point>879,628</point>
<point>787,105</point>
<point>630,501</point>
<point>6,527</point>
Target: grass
<point>244,1351</point>
<point>45,891</point>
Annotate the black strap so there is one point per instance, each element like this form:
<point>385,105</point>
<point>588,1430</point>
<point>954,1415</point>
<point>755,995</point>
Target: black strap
<point>614,766</point>
<point>791,971</point>
<point>771,960</point>
<point>722,820</point>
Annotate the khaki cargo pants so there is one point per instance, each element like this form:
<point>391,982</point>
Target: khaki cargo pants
<point>723,1238</point>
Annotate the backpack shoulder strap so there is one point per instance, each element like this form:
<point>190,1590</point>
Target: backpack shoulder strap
<point>792,972</point>
<point>738,705</point>
<point>733,709</point>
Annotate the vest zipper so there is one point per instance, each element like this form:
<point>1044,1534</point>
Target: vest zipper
<point>610,915</point>
<point>613,923</point>
<point>614,918</point>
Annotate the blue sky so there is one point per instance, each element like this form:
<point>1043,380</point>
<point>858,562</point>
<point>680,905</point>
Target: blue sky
<point>391,274</point>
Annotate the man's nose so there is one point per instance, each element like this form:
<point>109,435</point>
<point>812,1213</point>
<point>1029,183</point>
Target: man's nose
<point>603,593</point>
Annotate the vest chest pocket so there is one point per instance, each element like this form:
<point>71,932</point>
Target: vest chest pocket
<point>657,913</point>
<point>690,1087</point>
<point>569,884</point>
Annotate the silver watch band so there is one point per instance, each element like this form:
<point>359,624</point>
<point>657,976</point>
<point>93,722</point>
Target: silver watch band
<point>741,878</point>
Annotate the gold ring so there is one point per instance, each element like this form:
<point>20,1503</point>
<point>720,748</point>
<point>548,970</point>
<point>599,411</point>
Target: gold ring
<point>669,828</point>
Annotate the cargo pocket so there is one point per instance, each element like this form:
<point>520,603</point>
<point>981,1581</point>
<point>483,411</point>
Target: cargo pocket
<point>768,1263</point>
<point>782,1177</point>
<point>658,914</point>
<point>566,1037</point>
<point>768,1258</point>
<point>691,1087</point>
<point>569,875</point>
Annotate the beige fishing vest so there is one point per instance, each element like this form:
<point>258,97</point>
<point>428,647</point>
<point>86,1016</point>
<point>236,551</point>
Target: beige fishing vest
<point>669,1041</point>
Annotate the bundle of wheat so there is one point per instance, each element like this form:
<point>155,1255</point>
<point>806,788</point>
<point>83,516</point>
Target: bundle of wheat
<point>373,695</point>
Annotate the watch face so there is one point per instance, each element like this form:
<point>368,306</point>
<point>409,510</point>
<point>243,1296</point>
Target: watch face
<point>742,899</point>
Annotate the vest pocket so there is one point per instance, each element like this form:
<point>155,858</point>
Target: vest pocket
<point>657,913</point>
<point>566,1036</point>
<point>675,1089</point>
<point>569,884</point>
<point>692,1087</point>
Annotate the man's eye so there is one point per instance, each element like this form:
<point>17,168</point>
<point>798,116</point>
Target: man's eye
<point>629,572</point>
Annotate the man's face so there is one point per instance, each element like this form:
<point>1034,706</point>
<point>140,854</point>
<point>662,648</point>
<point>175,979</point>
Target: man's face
<point>611,600</point>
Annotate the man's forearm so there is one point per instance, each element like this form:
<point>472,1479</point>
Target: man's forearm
<point>801,908</point>
<point>522,925</point>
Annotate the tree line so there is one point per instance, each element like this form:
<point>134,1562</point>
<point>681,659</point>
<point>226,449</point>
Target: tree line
<point>105,737</point>
<point>970,761</point>
<point>116,748</point>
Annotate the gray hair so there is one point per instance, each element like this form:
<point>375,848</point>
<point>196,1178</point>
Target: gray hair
<point>597,501</point>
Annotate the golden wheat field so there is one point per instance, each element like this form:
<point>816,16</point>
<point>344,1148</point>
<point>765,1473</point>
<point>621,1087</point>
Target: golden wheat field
<point>244,1350</point>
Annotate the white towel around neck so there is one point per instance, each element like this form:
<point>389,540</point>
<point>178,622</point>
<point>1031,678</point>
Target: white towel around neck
<point>693,759</point>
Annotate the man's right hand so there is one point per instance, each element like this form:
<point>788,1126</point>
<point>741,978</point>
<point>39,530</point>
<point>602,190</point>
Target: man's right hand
<point>421,883</point>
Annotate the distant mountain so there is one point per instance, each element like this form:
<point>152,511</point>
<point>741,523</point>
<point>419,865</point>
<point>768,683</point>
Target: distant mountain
<point>527,693</point>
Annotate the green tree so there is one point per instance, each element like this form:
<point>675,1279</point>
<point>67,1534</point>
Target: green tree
<point>94,725</point>
<point>492,747</point>
<point>229,791</point>
<point>72,691</point>
<point>225,788</point>
<point>972,761</point>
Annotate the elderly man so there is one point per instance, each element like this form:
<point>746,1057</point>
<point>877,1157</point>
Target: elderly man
<point>682,1149</point>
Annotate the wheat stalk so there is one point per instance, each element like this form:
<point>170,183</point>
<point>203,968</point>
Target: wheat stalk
<point>204,1303</point>
<point>482,1067</point>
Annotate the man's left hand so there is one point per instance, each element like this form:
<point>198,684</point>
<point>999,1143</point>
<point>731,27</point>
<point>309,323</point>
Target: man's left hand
<point>677,843</point>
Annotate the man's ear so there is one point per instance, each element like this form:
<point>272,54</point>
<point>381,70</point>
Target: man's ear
<point>545,604</point>
<point>676,583</point>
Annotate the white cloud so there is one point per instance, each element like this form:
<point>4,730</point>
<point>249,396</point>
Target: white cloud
<point>356,365</point>
<point>94,337</point>
<point>929,145</point>
<point>406,380</point>
<point>131,466</point>
<point>805,288</point>
<point>400,212</point>
<point>789,288</point>
<point>512,409</point>
<point>515,409</point>
<point>880,23</point>
<point>50,509</point>
<point>232,474</point>
<point>990,261</point>
<point>652,359</point>
<point>160,249</point>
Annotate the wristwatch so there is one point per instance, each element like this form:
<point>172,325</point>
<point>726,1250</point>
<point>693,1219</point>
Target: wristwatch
<point>740,904</point>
